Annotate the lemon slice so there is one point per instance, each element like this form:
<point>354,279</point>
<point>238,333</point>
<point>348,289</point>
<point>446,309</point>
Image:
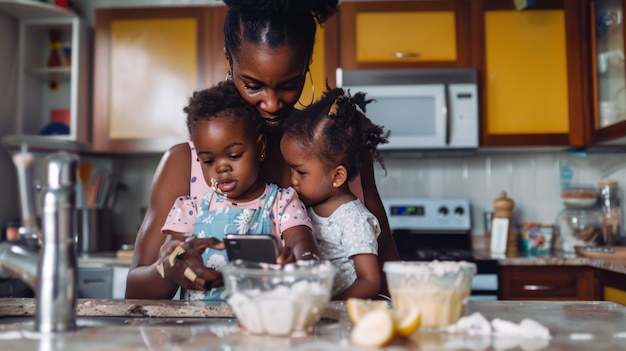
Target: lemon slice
<point>406,322</point>
<point>357,308</point>
<point>374,329</point>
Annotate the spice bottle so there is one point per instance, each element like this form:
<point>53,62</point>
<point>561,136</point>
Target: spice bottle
<point>611,211</point>
<point>503,237</point>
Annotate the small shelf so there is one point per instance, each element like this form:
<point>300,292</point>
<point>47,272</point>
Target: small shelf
<point>46,73</point>
<point>34,10</point>
<point>48,93</point>
<point>43,142</point>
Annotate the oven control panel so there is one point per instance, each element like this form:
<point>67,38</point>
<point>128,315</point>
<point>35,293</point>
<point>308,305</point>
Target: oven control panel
<point>442,214</point>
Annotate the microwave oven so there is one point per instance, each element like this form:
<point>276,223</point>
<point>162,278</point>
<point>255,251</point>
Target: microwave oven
<point>424,109</point>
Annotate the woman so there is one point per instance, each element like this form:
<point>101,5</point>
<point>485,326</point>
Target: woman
<point>268,51</point>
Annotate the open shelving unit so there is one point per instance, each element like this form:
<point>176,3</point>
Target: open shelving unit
<point>43,88</point>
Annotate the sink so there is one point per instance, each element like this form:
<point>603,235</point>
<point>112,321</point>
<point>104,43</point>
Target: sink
<point>21,322</point>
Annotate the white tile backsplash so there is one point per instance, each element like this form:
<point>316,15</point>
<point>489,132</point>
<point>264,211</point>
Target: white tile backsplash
<point>531,179</point>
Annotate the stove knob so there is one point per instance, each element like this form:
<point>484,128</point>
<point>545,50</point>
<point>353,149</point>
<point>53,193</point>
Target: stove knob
<point>460,211</point>
<point>443,211</point>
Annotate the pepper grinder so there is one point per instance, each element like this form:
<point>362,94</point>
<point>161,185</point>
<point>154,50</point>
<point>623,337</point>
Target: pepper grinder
<point>503,237</point>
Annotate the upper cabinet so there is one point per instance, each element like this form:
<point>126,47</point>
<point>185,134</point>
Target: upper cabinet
<point>148,62</point>
<point>395,34</point>
<point>532,73</point>
<point>53,62</point>
<point>608,123</point>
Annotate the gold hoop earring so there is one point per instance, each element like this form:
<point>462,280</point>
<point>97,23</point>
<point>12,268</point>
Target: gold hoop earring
<point>312,91</point>
<point>229,76</point>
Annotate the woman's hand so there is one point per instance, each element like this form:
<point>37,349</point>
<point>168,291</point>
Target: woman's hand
<point>181,263</point>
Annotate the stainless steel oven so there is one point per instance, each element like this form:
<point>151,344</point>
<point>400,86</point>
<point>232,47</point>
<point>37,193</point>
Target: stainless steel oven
<point>427,229</point>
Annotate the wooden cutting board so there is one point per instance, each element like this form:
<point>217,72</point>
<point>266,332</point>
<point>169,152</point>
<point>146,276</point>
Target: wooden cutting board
<point>608,253</point>
<point>125,254</point>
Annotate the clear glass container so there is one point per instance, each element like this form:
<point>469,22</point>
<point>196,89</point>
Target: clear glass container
<point>608,191</point>
<point>580,223</point>
<point>578,227</point>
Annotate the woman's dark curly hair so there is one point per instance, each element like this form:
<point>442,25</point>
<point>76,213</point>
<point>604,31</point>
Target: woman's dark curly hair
<point>275,22</point>
<point>335,129</point>
<point>222,99</point>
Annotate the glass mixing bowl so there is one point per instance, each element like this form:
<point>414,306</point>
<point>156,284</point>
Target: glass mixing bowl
<point>270,299</point>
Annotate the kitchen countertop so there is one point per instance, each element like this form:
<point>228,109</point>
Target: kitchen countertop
<point>573,326</point>
<point>556,259</point>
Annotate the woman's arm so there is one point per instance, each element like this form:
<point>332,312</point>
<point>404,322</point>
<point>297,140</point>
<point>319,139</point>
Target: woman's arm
<point>171,180</point>
<point>368,278</point>
<point>387,250</point>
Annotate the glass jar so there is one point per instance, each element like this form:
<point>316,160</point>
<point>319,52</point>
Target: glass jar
<point>611,211</point>
<point>580,223</point>
<point>578,227</point>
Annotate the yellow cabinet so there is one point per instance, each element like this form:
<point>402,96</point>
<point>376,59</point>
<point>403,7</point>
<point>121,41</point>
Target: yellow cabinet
<point>148,62</point>
<point>405,34</point>
<point>532,93</point>
<point>322,68</point>
<point>613,286</point>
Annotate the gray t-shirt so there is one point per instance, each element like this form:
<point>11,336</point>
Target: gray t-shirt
<point>351,230</point>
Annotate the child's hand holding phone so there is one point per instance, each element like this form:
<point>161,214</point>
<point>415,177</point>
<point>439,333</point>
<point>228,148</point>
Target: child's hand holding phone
<point>251,247</point>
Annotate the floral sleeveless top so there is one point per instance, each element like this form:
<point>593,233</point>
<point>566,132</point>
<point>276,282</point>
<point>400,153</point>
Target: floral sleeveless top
<point>213,215</point>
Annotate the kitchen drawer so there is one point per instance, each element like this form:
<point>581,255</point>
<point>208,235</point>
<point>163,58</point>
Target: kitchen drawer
<point>538,282</point>
<point>95,282</point>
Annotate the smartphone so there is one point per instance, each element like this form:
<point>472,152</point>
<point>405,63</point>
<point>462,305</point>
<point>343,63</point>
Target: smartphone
<point>251,247</point>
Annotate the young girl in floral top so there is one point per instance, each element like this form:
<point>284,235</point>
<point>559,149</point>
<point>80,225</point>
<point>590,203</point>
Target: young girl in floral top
<point>226,133</point>
<point>325,145</point>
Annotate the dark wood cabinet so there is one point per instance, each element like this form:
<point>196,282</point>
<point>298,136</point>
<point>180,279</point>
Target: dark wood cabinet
<point>533,88</point>
<point>607,122</point>
<point>538,282</point>
<point>612,286</point>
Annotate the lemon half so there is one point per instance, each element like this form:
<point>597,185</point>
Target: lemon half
<point>407,322</point>
<point>357,308</point>
<point>374,329</point>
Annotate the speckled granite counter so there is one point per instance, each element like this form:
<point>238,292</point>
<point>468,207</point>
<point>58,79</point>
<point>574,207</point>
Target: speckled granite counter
<point>557,259</point>
<point>573,326</point>
<point>613,266</point>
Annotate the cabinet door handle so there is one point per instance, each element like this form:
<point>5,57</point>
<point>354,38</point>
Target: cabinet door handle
<point>532,287</point>
<point>400,55</point>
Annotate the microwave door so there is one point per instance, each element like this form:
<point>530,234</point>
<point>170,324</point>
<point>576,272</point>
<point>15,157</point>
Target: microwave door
<point>463,115</point>
<point>415,115</point>
<point>448,119</point>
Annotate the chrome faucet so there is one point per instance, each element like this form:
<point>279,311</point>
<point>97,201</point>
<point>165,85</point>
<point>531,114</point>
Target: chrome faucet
<point>52,271</point>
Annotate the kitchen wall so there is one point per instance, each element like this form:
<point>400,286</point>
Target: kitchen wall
<point>9,208</point>
<point>531,178</point>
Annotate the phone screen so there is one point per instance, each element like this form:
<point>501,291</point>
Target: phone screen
<point>254,248</point>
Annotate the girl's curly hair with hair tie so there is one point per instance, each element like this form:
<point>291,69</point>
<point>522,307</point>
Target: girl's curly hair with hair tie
<point>337,128</point>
